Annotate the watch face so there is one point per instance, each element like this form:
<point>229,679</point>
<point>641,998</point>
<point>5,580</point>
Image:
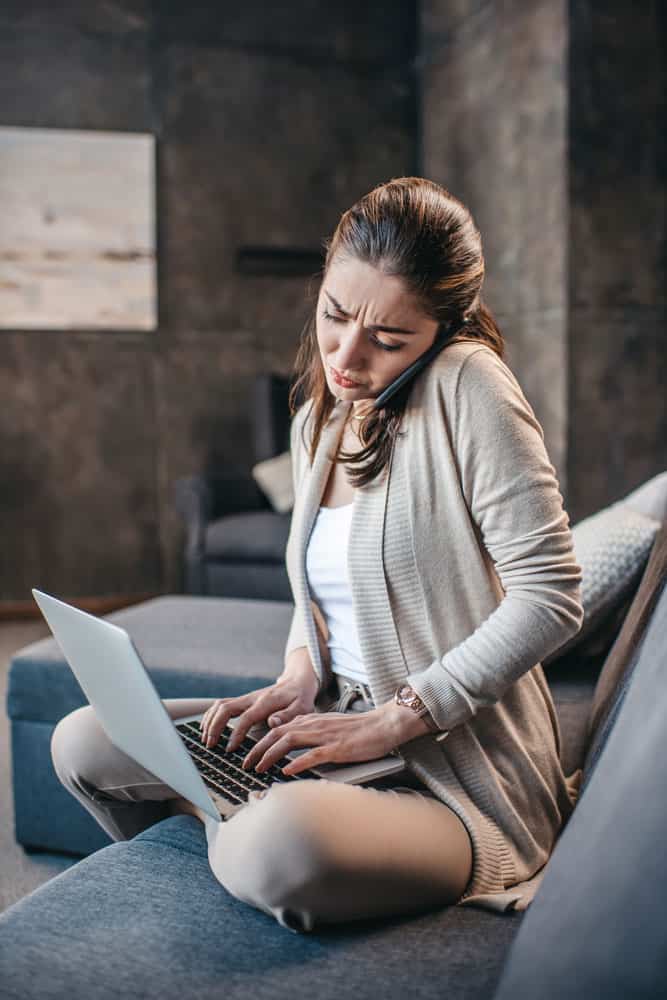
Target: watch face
<point>407,695</point>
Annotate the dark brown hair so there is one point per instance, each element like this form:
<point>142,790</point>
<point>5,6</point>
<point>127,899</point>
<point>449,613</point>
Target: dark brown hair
<point>414,229</point>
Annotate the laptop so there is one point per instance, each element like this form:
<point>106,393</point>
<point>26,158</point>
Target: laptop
<point>114,678</point>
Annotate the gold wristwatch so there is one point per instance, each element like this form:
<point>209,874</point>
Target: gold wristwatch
<point>407,696</point>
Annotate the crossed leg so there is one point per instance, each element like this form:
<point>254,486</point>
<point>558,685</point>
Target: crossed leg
<point>120,794</point>
<point>306,852</point>
<point>318,851</point>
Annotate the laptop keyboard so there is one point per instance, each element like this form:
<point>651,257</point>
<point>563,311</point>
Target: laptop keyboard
<point>222,770</point>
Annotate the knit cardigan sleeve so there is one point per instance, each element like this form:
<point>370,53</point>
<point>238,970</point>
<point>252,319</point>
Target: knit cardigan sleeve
<point>297,631</point>
<point>512,494</point>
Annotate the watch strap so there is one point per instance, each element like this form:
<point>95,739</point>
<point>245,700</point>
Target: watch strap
<point>408,697</point>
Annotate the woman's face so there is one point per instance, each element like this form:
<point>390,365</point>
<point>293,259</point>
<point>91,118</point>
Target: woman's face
<point>373,331</point>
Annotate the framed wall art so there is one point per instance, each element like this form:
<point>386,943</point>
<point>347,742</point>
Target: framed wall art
<point>77,230</point>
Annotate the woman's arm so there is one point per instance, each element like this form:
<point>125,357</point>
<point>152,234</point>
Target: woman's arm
<point>296,648</point>
<point>512,494</point>
<point>402,723</point>
<point>296,645</point>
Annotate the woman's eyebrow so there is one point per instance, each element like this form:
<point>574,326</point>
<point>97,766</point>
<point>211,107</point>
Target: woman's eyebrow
<point>387,329</point>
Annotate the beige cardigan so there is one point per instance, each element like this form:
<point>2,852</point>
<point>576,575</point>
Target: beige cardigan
<point>463,578</point>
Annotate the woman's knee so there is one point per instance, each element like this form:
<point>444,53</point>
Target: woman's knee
<point>273,851</point>
<point>73,742</point>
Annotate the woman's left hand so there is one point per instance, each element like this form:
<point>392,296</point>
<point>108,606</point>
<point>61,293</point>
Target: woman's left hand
<point>336,737</point>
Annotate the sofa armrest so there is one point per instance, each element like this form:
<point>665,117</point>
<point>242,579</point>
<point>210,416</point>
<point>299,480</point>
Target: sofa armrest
<point>235,495</point>
<point>201,499</point>
<point>194,502</point>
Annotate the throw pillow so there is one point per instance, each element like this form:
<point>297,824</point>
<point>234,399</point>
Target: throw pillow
<point>274,478</point>
<point>650,498</point>
<point>612,548</point>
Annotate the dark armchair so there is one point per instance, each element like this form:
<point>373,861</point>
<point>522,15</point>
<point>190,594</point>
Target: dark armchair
<point>235,542</point>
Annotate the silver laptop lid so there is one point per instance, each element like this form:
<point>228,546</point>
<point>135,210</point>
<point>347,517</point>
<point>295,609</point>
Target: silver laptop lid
<point>114,678</point>
<point>117,685</point>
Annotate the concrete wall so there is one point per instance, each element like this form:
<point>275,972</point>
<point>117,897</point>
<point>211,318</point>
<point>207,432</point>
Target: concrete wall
<point>547,119</point>
<point>270,120</point>
<point>617,255</point>
<point>494,129</point>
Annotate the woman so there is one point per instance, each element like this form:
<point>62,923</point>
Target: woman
<point>432,568</point>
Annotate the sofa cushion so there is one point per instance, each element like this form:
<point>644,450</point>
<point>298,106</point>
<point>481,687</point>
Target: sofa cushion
<point>192,647</point>
<point>596,926</point>
<point>274,477</point>
<point>625,654</point>
<point>147,918</point>
<point>572,689</point>
<point>612,547</point>
<point>259,536</point>
<point>650,498</point>
<point>587,687</point>
<point>595,638</point>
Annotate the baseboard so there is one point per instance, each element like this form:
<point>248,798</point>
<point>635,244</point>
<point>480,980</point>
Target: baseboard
<point>23,610</point>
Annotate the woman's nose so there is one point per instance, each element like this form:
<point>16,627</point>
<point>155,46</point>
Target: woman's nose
<point>349,356</point>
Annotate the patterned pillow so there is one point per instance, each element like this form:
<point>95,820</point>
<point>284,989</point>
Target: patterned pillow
<point>612,548</point>
<point>274,478</point>
<point>650,498</point>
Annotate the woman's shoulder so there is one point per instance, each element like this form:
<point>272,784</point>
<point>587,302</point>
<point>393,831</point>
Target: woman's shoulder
<point>470,385</point>
<point>480,396</point>
<point>468,364</point>
<point>461,353</point>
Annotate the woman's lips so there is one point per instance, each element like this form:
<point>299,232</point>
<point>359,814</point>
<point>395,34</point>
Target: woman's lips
<point>345,382</point>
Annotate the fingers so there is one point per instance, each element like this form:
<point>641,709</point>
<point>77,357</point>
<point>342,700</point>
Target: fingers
<point>291,741</point>
<point>247,720</point>
<point>251,708</point>
<point>319,755</point>
<point>330,737</point>
<point>216,717</point>
<point>273,747</point>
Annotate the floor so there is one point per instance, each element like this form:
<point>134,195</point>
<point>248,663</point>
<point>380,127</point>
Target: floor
<point>20,872</point>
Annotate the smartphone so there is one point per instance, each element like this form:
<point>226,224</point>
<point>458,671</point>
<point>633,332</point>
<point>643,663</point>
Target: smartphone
<point>441,340</point>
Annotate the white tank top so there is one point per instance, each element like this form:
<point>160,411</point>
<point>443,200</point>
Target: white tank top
<point>326,569</point>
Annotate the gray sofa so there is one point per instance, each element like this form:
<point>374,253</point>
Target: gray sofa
<point>234,541</point>
<point>146,917</point>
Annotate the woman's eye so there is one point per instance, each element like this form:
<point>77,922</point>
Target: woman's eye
<point>385,347</point>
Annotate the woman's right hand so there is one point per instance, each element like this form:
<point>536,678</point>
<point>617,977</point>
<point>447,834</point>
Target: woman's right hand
<point>293,693</point>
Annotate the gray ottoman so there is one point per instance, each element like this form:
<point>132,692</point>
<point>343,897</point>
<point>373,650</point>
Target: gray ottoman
<point>192,647</point>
